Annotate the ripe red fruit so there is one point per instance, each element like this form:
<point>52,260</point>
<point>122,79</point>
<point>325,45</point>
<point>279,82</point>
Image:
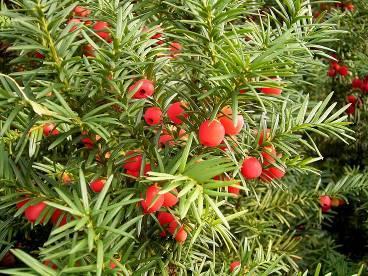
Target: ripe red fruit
<point>349,7</point>
<point>181,235</point>
<point>356,83</point>
<point>165,218</point>
<point>165,139</point>
<point>97,185</point>
<point>170,200</point>
<point>74,22</point>
<point>55,218</point>
<point>233,190</point>
<point>227,122</point>
<point>21,203</point>
<point>325,202</point>
<point>234,265</point>
<point>39,55</point>
<point>251,168</point>
<point>272,173</point>
<point>81,11</point>
<point>175,49</point>
<point>268,154</point>
<point>331,73</point>
<point>351,99</point>
<point>335,66</point>
<point>211,133</point>
<point>172,227</point>
<point>261,136</point>
<point>50,264</point>
<point>335,202</point>
<point>50,129</point>
<point>133,163</point>
<point>343,71</point>
<point>144,88</point>
<point>101,29</point>
<point>153,116</point>
<point>176,111</point>
<point>153,201</point>
<point>271,91</point>
<point>88,143</point>
<point>33,211</point>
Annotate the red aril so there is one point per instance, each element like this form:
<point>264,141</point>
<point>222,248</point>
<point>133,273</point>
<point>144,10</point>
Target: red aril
<point>97,185</point>
<point>234,265</point>
<point>227,122</point>
<point>211,133</point>
<point>181,235</point>
<point>164,218</point>
<point>144,88</point>
<point>101,29</point>
<point>153,116</point>
<point>33,212</point>
<point>133,163</point>
<point>153,201</point>
<point>50,129</point>
<point>176,111</point>
<point>170,200</point>
<point>251,168</point>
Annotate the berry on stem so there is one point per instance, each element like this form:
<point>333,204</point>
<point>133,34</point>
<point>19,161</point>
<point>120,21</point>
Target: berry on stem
<point>227,122</point>
<point>133,163</point>
<point>170,200</point>
<point>211,133</point>
<point>153,116</point>
<point>234,265</point>
<point>32,212</point>
<point>251,168</point>
<point>176,111</point>
<point>101,29</point>
<point>144,88</point>
<point>50,129</point>
<point>181,235</point>
<point>153,201</point>
<point>97,185</point>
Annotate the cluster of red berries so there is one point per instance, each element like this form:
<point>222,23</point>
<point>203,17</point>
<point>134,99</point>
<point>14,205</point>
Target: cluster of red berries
<point>33,212</point>
<point>336,68</point>
<point>327,202</point>
<point>360,84</point>
<point>153,201</point>
<point>355,102</point>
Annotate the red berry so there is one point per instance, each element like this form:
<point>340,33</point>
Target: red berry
<point>181,235</point>
<point>164,218</point>
<point>133,163</point>
<point>81,11</point>
<point>343,71</point>
<point>251,168</point>
<point>325,202</point>
<point>335,66</point>
<point>331,73</point>
<point>32,212</point>
<point>175,49</point>
<point>261,136</point>
<point>172,227</point>
<point>272,173</point>
<point>22,203</point>
<point>242,91</point>
<point>74,22</point>
<point>55,218</point>
<point>268,154</point>
<point>101,29</point>
<point>153,201</point>
<point>356,83</point>
<point>144,88</point>
<point>233,190</point>
<point>165,139</point>
<point>163,234</point>
<point>153,116</point>
<point>132,173</point>
<point>271,91</point>
<point>351,99</point>
<point>349,7</point>
<point>234,265</point>
<point>350,110</point>
<point>227,122</point>
<point>88,143</point>
<point>39,55</point>
<point>170,200</point>
<point>97,185</point>
<point>147,168</point>
<point>335,202</point>
<point>211,133</point>
<point>176,111</point>
<point>50,129</point>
